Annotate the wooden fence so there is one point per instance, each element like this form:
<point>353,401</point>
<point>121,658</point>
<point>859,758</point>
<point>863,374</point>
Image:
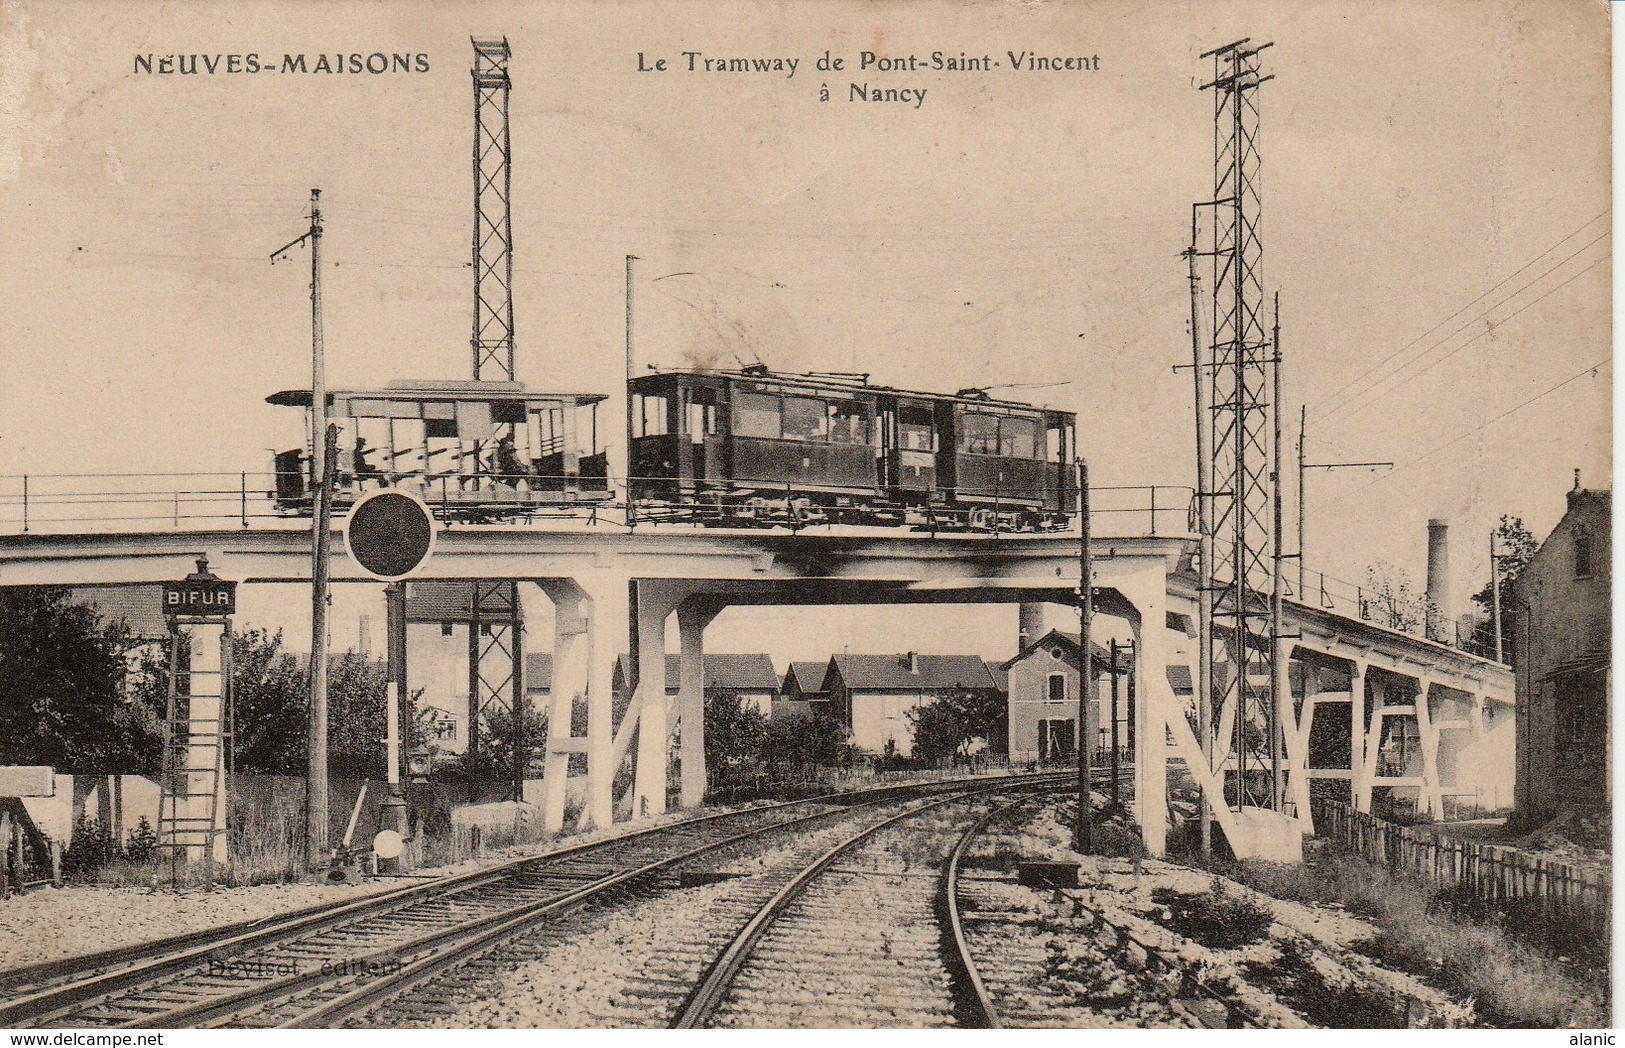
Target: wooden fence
<point>1502,877</point>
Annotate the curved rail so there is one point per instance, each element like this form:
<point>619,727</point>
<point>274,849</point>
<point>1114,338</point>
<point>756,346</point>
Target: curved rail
<point>984,1015</point>
<point>708,993</point>
<point>53,989</point>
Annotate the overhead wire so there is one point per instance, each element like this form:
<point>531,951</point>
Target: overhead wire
<point>1458,438</point>
<point>1502,283</point>
<point>1362,398</point>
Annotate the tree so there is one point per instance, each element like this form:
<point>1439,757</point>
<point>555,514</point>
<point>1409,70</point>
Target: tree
<point>793,743</point>
<point>271,704</point>
<point>1391,600</point>
<point>271,697</point>
<point>63,701</point>
<point>948,726</point>
<point>734,734</point>
<point>1513,545</point>
<point>494,761</point>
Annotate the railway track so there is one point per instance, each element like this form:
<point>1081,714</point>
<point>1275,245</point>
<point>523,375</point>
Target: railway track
<point>317,967</point>
<point>866,934</point>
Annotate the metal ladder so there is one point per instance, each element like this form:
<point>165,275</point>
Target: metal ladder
<point>194,762</point>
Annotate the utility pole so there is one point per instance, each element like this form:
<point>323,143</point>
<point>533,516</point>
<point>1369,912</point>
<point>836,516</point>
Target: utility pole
<point>1280,697</point>
<point>1083,833</point>
<point>1204,564</point>
<point>1495,596</point>
<point>323,449</point>
<point>1116,743</point>
<point>1304,466</point>
<point>631,509</point>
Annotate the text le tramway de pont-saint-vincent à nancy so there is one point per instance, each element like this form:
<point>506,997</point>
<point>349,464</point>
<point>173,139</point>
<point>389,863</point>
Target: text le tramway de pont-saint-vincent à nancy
<point>869,76</point>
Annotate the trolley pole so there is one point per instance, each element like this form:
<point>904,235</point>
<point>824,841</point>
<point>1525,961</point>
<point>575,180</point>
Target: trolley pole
<point>1083,835</point>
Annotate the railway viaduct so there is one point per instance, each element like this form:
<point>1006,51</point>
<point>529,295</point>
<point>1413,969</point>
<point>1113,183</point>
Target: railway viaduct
<point>608,585</point>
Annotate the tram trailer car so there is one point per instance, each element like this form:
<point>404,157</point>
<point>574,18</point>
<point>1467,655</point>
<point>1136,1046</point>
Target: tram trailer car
<point>473,450</point>
<point>754,447</point>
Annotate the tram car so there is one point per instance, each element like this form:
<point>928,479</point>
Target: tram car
<point>752,447</point>
<point>472,450</point>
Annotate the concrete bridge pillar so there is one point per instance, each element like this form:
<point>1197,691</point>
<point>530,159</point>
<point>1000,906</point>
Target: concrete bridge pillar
<point>589,616</point>
<point>656,600</point>
<point>1430,798</point>
<point>1296,726</point>
<point>1359,729</point>
<point>692,618</point>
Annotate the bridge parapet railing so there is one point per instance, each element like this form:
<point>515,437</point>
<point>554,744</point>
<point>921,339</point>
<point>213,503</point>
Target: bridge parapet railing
<point>56,503</point>
<point>67,503</point>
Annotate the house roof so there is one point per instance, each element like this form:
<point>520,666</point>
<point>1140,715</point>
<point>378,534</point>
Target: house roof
<point>739,672</point>
<point>1070,641</point>
<point>138,607</point>
<point>809,676</point>
<point>892,672</point>
<point>438,600</point>
<point>441,601</point>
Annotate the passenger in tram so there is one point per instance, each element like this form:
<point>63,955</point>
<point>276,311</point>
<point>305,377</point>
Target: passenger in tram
<point>509,469</point>
<point>364,470</point>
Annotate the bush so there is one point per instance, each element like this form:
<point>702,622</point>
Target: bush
<point>91,847</point>
<point>143,842</point>
<point>1218,919</point>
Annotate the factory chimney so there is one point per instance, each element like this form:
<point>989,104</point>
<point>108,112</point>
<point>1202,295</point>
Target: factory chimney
<point>1032,626</point>
<point>914,662</point>
<point>1442,611</point>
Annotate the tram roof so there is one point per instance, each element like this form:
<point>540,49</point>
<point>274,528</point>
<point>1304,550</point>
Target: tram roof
<point>848,383</point>
<point>434,389</point>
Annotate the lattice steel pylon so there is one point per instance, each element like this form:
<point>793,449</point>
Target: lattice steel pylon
<point>1243,504</point>
<point>496,647</point>
<point>492,340</point>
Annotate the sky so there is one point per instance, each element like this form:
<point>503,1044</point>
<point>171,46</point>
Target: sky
<point>1435,217</point>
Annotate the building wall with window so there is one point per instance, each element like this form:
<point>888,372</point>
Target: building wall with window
<point>1562,624</point>
<point>1043,701</point>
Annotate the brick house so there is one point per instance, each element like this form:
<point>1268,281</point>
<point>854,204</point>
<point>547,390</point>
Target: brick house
<point>1561,650</point>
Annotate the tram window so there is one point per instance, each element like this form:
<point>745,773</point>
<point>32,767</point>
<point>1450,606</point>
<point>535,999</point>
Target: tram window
<point>651,415</point>
<point>508,412</point>
<point>805,419</point>
<point>979,434</point>
<point>756,415</point>
<point>1017,437</point>
<point>547,429</point>
<point>915,431</point>
<point>848,423</point>
<point>1055,443</point>
<point>407,451</point>
<point>440,418</point>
